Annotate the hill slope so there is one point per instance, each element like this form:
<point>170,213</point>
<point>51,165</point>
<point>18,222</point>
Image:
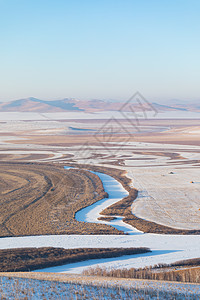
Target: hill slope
<point>68,104</point>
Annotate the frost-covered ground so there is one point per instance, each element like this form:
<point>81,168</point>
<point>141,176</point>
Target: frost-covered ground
<point>166,176</point>
<point>96,115</point>
<point>168,199</point>
<point>81,287</point>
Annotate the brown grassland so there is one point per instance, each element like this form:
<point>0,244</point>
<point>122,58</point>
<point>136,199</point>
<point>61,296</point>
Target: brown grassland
<point>38,198</point>
<point>28,259</point>
<point>189,274</point>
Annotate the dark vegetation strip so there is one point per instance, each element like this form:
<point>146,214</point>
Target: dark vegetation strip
<point>107,218</point>
<point>181,263</point>
<point>28,259</point>
<point>123,207</point>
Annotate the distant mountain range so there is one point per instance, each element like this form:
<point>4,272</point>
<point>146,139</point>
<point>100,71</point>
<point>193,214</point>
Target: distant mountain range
<point>36,105</point>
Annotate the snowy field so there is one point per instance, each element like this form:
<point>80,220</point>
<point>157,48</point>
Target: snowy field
<point>168,198</point>
<point>166,176</point>
<point>80,287</point>
<point>97,115</point>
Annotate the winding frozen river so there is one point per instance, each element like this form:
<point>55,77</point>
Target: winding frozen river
<point>116,192</point>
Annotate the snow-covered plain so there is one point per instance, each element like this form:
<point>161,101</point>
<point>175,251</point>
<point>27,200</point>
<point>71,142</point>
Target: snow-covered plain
<point>167,198</point>
<point>76,115</point>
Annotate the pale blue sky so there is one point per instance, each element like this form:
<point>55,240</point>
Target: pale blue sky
<point>99,49</point>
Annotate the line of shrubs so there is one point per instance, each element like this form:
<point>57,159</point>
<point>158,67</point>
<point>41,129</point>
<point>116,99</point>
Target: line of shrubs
<point>28,259</point>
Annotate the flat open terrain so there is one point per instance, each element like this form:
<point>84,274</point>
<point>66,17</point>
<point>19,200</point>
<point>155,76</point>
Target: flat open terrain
<point>160,156</point>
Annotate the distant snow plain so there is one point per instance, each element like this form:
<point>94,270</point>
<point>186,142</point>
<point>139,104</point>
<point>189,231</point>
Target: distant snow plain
<point>95,115</point>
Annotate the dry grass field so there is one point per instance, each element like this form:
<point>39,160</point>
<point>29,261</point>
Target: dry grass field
<point>182,271</point>
<point>40,199</point>
<point>191,275</point>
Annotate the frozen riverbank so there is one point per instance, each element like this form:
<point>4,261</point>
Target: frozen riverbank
<point>116,192</point>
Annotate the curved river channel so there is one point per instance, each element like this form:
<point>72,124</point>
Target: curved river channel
<point>116,192</point>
